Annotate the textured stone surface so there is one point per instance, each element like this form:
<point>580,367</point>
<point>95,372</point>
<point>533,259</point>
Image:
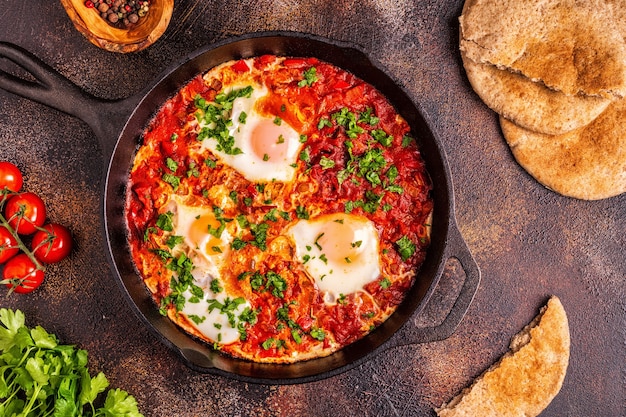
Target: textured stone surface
<point>528,241</point>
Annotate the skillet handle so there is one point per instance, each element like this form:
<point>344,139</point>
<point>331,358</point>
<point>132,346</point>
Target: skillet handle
<point>54,90</point>
<point>457,249</point>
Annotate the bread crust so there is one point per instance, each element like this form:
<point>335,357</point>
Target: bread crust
<point>570,46</point>
<point>526,378</point>
<point>529,104</point>
<point>588,163</point>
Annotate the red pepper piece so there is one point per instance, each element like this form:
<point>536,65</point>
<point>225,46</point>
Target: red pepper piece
<point>240,66</point>
<point>340,85</point>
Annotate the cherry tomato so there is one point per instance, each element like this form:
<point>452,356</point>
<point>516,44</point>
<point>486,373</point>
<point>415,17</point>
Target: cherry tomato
<point>25,212</point>
<point>52,244</point>
<point>22,275</point>
<point>10,177</point>
<point>8,245</point>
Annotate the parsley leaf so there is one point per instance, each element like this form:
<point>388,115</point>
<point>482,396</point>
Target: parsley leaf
<point>382,137</point>
<point>326,163</point>
<point>318,334</point>
<point>302,213</point>
<point>406,248</point>
<point>164,221</point>
<point>172,180</point>
<point>41,377</point>
<point>310,77</point>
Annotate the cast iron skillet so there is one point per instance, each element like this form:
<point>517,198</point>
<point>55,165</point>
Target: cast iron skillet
<point>118,126</point>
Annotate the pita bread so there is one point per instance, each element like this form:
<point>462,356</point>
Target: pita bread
<point>529,104</point>
<point>570,46</point>
<point>588,163</point>
<point>618,11</point>
<point>527,378</point>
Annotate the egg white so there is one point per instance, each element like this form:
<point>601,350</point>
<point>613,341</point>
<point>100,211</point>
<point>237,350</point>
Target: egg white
<point>254,167</point>
<point>207,263</point>
<point>213,323</point>
<point>338,267</point>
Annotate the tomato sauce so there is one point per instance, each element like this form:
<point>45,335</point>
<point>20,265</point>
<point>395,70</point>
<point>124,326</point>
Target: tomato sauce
<point>357,157</point>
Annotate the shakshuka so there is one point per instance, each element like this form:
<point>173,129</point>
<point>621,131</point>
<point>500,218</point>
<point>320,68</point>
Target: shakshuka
<point>278,208</point>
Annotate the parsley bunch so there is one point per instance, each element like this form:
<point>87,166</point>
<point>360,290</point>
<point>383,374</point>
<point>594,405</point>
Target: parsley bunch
<point>41,378</point>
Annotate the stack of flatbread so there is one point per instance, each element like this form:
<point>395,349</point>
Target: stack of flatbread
<point>527,377</point>
<point>555,72</point>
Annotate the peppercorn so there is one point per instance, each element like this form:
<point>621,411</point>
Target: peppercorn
<point>122,14</point>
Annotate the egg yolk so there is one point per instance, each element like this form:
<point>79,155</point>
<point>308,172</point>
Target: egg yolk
<point>270,141</point>
<point>339,242</point>
<point>201,236</point>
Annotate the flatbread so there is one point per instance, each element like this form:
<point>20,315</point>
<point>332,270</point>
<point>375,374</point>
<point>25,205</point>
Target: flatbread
<point>570,46</point>
<point>588,163</point>
<point>618,11</point>
<point>527,378</point>
<point>529,104</point>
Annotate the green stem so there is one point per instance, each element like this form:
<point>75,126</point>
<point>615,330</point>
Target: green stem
<point>33,398</point>
<point>4,222</point>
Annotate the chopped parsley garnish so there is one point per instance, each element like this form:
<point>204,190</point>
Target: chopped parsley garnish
<point>324,122</point>
<point>227,308</point>
<point>179,284</point>
<point>406,248</point>
<point>271,215</point>
<point>216,287</point>
<point>214,118</point>
<point>193,170</point>
<point>348,120</point>
<point>277,283</point>
<point>305,155</point>
<point>318,334</point>
<point>197,319</point>
<point>302,213</point>
<point>259,232</point>
<point>342,299</point>
<point>326,163</point>
<point>171,164</point>
<point>149,230</point>
<point>271,281</point>
<point>210,163</point>
<point>173,241</point>
<point>368,117</point>
<point>385,283</point>
<point>164,221</point>
<point>372,160</point>
<point>310,76</point>
<point>172,180</point>
<point>242,221</point>
<point>296,336</point>
<point>382,137</point>
<point>392,173</point>
<point>273,343</point>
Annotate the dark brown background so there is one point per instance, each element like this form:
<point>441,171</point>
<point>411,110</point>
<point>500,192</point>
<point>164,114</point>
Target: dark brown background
<point>529,242</point>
